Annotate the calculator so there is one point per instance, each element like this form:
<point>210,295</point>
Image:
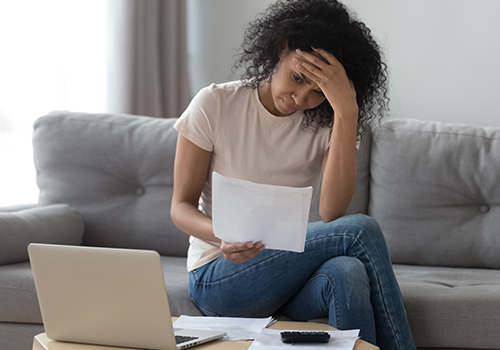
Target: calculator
<point>305,337</point>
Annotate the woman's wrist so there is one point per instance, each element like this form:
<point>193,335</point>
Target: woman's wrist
<point>345,126</point>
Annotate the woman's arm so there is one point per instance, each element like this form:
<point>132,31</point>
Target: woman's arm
<point>339,172</point>
<point>190,173</point>
<point>339,162</point>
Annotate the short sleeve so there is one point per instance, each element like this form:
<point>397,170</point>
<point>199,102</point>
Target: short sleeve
<point>197,123</point>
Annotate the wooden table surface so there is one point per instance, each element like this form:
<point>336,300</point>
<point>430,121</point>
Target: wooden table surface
<point>42,342</point>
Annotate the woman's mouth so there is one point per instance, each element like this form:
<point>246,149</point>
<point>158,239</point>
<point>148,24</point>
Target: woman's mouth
<point>288,107</point>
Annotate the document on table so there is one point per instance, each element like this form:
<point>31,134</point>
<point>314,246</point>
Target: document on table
<point>237,328</point>
<point>270,339</point>
<point>245,211</point>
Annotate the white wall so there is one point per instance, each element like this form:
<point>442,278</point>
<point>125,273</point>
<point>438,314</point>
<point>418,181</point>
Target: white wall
<point>443,55</point>
<point>215,32</point>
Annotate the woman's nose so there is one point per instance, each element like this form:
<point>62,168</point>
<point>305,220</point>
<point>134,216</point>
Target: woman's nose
<point>299,98</point>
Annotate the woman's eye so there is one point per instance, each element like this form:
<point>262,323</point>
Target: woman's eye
<point>296,78</point>
<point>320,93</point>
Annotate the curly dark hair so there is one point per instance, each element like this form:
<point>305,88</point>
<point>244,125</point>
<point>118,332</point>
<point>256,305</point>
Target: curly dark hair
<point>326,24</point>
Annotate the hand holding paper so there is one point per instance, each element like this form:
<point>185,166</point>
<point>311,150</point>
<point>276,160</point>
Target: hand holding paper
<point>245,211</point>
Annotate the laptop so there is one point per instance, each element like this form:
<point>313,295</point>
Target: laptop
<point>107,296</point>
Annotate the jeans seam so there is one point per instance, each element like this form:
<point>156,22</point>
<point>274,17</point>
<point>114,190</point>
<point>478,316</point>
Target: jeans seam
<point>337,311</point>
<point>384,303</point>
<point>235,273</point>
<point>202,308</point>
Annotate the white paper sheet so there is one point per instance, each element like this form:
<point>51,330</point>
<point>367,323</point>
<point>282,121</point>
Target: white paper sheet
<point>237,328</point>
<point>270,339</point>
<point>245,211</point>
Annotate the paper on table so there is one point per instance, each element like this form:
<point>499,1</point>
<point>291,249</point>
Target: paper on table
<point>245,211</point>
<point>270,339</point>
<point>237,328</point>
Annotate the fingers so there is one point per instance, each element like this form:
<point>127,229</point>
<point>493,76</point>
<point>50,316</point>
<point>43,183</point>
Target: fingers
<point>311,65</point>
<point>319,62</point>
<point>321,66</point>
<point>308,69</point>
<point>240,252</point>
<point>236,247</point>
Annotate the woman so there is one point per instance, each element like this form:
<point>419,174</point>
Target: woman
<point>314,82</point>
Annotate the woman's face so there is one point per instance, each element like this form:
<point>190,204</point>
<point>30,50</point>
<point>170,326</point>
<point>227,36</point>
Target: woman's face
<point>289,91</point>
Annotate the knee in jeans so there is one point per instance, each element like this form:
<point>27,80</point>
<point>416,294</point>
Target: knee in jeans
<point>370,226</point>
<point>366,221</point>
<point>349,271</point>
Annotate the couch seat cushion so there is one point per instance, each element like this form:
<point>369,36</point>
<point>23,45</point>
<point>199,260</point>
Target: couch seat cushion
<point>18,300</point>
<point>451,307</point>
<point>177,282</point>
<point>19,303</point>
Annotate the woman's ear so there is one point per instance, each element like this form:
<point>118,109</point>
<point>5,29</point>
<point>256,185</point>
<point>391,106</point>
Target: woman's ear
<point>282,48</point>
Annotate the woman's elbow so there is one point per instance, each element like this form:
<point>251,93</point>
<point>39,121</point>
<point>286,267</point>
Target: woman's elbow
<point>174,211</point>
<point>330,215</point>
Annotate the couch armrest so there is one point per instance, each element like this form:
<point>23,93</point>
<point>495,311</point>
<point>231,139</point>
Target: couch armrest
<point>13,208</point>
<point>53,224</point>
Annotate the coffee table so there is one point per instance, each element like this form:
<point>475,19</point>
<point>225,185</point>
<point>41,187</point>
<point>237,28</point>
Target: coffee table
<point>42,342</point>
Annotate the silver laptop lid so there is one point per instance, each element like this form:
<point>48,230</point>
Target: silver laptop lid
<point>102,296</point>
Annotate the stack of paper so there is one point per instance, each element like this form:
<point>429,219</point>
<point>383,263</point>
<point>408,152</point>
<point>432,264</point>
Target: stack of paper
<point>270,339</point>
<point>245,211</point>
<point>237,328</point>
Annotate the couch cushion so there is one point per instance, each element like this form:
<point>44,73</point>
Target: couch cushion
<point>177,283</point>
<point>17,336</point>
<point>451,307</point>
<point>360,199</point>
<point>117,171</point>
<point>435,191</point>
<point>18,300</point>
<point>56,224</point>
<point>19,303</point>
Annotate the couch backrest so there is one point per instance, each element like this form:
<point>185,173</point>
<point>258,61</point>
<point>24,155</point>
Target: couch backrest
<point>117,171</point>
<point>435,190</point>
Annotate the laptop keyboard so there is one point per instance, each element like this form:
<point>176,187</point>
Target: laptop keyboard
<point>183,338</point>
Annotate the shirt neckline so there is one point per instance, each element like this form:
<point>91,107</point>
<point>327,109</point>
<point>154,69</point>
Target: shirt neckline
<point>268,115</point>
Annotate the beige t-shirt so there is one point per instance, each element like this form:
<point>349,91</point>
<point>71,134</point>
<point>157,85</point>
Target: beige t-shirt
<point>249,143</point>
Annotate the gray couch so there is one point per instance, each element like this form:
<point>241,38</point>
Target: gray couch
<point>106,180</point>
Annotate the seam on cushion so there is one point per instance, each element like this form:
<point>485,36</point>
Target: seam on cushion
<point>449,284</point>
<point>453,189</point>
<point>100,121</point>
<point>443,133</point>
<point>453,318</point>
<point>17,288</point>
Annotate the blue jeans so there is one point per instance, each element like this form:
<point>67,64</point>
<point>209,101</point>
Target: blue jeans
<point>345,274</point>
